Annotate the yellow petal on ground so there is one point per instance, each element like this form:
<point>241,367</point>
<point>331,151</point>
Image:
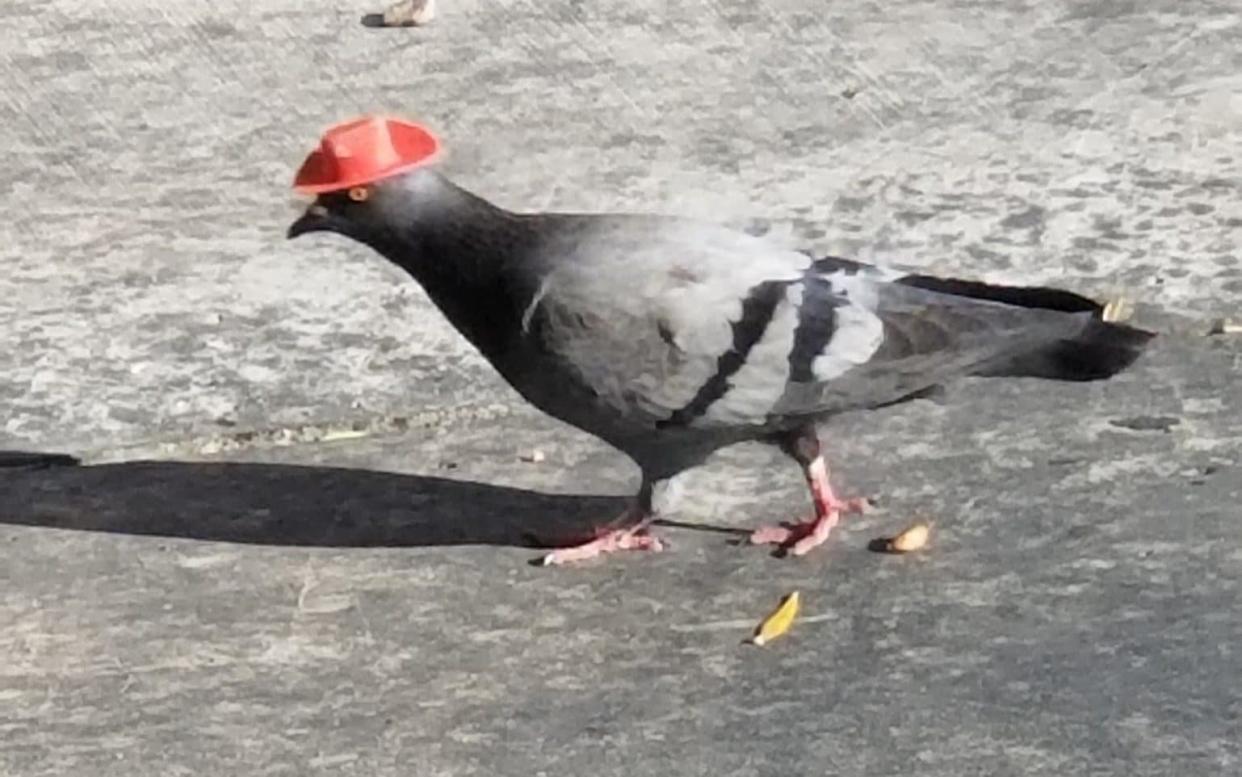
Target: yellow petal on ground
<point>778,622</point>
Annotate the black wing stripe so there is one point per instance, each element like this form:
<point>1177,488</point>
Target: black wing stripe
<point>816,325</point>
<point>758,308</point>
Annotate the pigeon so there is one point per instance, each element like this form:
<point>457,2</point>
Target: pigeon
<point>670,338</point>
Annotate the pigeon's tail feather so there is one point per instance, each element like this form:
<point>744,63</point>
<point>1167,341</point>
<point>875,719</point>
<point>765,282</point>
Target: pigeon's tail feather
<point>1100,350</point>
<point>1019,296</point>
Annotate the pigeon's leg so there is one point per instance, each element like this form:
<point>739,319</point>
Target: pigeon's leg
<point>801,537</point>
<point>629,531</point>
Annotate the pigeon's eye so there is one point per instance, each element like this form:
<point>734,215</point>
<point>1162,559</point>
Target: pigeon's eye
<point>359,193</point>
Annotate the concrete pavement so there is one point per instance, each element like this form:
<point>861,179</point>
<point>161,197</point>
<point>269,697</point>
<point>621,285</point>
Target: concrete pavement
<point>298,539</point>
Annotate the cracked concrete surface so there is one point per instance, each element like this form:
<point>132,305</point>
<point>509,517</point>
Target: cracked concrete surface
<point>298,541</point>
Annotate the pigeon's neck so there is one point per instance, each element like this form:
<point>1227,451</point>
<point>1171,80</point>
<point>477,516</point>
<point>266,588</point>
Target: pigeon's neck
<point>469,256</point>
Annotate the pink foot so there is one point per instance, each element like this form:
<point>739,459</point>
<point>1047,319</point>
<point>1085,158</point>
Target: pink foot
<point>799,538</point>
<point>803,536</point>
<point>634,538</point>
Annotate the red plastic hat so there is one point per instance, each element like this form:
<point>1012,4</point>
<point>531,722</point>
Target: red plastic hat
<point>364,150</point>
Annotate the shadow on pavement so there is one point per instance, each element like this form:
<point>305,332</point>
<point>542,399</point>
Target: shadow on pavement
<point>278,504</point>
<point>35,460</point>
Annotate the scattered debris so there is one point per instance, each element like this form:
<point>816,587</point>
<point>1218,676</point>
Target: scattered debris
<point>234,439</point>
<point>532,456</point>
<point>1118,310</point>
<point>406,13</point>
<point>913,538</point>
<point>1226,326</point>
<point>333,435</point>
<point>778,622</point>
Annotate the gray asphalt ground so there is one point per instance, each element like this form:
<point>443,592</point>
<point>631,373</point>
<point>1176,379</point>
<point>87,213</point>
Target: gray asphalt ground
<point>298,539</point>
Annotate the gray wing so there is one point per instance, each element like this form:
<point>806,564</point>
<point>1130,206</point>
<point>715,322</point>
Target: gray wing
<point>677,324</point>
<point>888,339</point>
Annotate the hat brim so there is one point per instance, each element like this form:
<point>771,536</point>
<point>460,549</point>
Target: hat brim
<point>365,150</point>
<point>349,182</point>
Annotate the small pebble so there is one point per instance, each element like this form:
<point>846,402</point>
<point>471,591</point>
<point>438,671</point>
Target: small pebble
<point>533,456</point>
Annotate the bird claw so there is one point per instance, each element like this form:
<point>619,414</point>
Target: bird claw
<point>797,538</point>
<point>636,538</point>
<point>800,537</point>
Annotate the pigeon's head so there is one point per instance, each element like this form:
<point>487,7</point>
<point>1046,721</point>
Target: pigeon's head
<point>368,175</point>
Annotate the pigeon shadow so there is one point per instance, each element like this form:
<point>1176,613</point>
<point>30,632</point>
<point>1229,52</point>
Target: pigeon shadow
<point>35,460</point>
<point>279,504</point>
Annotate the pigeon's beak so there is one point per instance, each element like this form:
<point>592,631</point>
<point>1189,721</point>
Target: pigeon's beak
<point>315,219</point>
